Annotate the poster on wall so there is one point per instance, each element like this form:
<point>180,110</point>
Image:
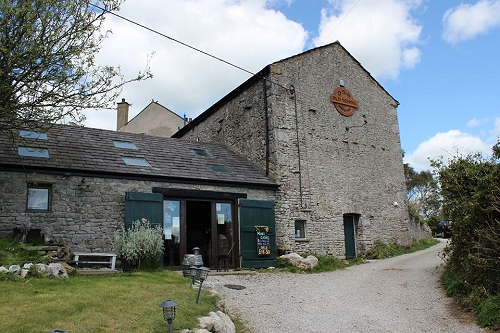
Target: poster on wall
<point>263,244</point>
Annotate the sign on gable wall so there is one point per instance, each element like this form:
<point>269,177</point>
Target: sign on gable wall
<point>344,101</point>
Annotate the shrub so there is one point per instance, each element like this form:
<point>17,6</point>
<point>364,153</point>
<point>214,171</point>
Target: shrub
<point>381,250</point>
<point>489,313</point>
<point>141,244</point>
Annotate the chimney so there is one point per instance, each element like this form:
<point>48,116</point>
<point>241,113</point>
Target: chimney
<point>122,114</point>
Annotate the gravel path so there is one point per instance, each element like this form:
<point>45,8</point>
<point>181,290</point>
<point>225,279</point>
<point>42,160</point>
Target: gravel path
<point>399,294</point>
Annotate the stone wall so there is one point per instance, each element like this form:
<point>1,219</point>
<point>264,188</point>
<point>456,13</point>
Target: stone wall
<point>85,211</point>
<point>327,165</point>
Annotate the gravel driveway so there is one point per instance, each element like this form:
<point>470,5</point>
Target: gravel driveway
<point>399,294</point>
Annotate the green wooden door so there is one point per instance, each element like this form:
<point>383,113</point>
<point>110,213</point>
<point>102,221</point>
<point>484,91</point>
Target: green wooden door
<point>143,205</point>
<point>349,237</point>
<point>257,226</point>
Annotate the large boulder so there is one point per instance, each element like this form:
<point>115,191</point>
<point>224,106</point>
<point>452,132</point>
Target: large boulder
<point>15,269</point>
<point>217,322</point>
<point>292,258</point>
<point>25,270</point>
<point>296,260</point>
<point>57,270</point>
<point>308,263</point>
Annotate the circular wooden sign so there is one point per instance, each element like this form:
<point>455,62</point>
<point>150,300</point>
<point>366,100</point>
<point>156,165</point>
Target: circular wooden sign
<point>344,101</point>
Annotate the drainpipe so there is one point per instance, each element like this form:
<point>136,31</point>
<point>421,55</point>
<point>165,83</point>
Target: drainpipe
<point>266,120</point>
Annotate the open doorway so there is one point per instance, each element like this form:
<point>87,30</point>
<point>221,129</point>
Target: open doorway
<point>199,228</point>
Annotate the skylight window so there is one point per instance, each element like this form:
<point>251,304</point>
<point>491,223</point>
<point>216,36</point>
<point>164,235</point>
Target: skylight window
<point>219,168</point>
<point>124,144</point>
<point>139,161</point>
<point>202,153</point>
<point>32,135</point>
<point>33,152</point>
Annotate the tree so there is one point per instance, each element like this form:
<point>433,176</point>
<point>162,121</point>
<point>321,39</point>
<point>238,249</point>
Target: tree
<point>47,62</point>
<point>470,186</point>
<point>422,193</point>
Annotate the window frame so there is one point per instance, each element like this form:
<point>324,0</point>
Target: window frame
<point>202,153</point>
<point>122,144</point>
<point>301,228</point>
<point>219,169</point>
<point>136,161</point>
<point>47,187</point>
<point>28,134</point>
<point>37,152</point>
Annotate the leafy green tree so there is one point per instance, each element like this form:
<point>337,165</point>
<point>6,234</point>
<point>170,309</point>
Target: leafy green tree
<point>422,194</point>
<point>47,62</point>
<point>470,186</point>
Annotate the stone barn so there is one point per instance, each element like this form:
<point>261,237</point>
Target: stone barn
<point>321,127</point>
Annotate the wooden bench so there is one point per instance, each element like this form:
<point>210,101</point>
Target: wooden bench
<point>95,258</point>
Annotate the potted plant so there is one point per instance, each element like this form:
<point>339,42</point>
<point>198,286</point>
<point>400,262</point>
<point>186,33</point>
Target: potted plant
<point>139,245</point>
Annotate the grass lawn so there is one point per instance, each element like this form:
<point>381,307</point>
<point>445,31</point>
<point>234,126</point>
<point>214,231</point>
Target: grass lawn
<point>124,302</point>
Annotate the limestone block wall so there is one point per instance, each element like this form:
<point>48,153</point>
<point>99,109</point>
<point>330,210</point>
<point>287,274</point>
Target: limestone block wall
<point>336,165</point>
<point>238,124</point>
<point>83,215</point>
<point>327,165</point>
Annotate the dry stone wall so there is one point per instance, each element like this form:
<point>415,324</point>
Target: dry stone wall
<point>85,211</point>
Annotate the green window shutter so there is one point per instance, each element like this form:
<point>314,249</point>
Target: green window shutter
<point>253,214</point>
<point>143,205</point>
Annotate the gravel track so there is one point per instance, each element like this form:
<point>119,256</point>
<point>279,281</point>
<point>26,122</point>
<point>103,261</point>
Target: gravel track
<point>400,294</point>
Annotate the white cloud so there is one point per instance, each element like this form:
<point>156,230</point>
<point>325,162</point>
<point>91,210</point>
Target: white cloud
<point>495,132</point>
<point>474,122</point>
<point>243,32</point>
<point>466,21</point>
<point>382,35</point>
<point>447,145</point>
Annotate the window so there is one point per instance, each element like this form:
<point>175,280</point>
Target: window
<point>300,229</point>
<point>124,144</point>
<point>219,168</point>
<point>139,161</point>
<point>33,152</point>
<point>172,220</point>
<point>32,135</point>
<point>202,153</point>
<point>38,198</point>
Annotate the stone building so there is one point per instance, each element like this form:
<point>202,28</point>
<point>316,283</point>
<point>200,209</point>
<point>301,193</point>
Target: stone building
<point>304,156</point>
<point>76,186</point>
<point>154,119</point>
<point>321,127</point>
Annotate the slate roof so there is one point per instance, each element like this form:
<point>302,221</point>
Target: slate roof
<point>88,151</point>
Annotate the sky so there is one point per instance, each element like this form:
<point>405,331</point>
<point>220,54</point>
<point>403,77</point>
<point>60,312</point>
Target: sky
<point>439,59</point>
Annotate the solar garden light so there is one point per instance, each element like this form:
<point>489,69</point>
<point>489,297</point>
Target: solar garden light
<point>203,273</point>
<point>168,307</point>
<point>193,272</point>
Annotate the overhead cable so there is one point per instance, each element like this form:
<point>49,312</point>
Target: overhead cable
<point>184,44</point>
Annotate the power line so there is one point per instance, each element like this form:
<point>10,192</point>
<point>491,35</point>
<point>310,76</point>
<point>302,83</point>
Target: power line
<point>172,39</point>
<point>335,27</point>
<point>186,45</point>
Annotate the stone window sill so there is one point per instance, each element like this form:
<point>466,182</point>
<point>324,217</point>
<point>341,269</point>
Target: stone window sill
<point>302,240</point>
